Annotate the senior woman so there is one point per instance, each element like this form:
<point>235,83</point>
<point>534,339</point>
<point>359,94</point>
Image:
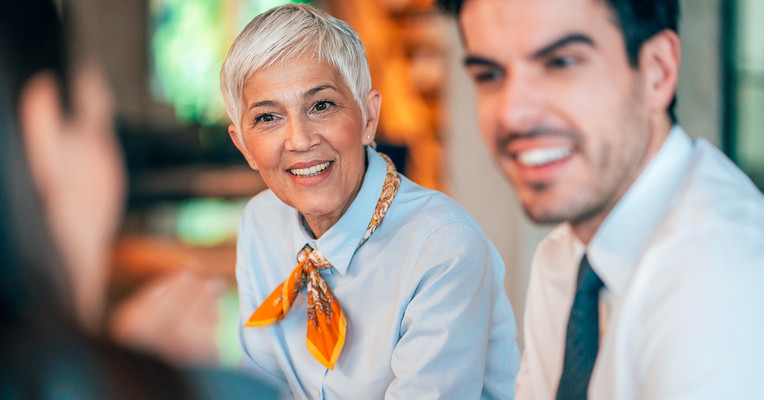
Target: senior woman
<point>355,283</point>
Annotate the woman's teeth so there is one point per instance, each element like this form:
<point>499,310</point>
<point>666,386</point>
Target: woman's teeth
<point>311,171</point>
<point>538,157</point>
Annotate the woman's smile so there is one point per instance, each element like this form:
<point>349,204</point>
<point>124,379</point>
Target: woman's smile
<point>312,174</point>
<point>308,172</point>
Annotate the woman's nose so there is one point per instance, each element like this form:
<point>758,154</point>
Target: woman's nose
<point>301,136</point>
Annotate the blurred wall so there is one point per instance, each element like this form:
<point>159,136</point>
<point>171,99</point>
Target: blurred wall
<point>700,92</point>
<point>113,32</point>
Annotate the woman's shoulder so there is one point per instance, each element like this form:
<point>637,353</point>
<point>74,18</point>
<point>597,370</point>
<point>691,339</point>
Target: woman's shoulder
<point>265,210</point>
<point>265,204</point>
<point>432,231</point>
<point>266,199</point>
<point>423,209</point>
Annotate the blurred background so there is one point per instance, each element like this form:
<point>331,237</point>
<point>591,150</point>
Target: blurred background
<point>188,183</point>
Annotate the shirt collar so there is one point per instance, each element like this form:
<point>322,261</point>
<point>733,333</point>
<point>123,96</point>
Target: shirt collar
<point>616,247</point>
<point>339,243</point>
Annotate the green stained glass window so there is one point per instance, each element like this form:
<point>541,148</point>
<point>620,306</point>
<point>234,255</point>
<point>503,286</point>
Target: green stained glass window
<point>188,42</point>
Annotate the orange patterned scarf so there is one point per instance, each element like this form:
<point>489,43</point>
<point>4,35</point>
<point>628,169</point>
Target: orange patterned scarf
<point>326,323</point>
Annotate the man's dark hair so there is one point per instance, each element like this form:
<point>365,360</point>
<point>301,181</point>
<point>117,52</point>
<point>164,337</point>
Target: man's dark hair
<point>638,20</point>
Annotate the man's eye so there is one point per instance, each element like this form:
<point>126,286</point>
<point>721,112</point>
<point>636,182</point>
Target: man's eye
<point>487,76</point>
<point>562,62</point>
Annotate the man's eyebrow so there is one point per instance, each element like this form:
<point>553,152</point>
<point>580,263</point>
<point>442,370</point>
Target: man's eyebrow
<point>562,42</point>
<point>567,40</point>
<point>470,61</point>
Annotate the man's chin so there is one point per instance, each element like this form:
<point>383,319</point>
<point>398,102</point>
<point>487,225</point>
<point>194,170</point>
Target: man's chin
<point>540,206</point>
<point>543,218</point>
<point>541,213</point>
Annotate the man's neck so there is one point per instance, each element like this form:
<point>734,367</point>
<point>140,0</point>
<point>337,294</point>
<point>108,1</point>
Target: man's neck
<point>586,229</point>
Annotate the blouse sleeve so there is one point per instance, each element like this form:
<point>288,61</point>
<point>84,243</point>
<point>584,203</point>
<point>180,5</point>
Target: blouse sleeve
<point>259,358</point>
<point>457,312</point>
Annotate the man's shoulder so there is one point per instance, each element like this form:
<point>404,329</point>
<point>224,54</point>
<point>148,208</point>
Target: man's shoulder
<point>715,200</point>
<point>713,172</point>
<point>717,217</point>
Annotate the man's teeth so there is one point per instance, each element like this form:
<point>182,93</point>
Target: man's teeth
<point>311,171</point>
<point>538,157</point>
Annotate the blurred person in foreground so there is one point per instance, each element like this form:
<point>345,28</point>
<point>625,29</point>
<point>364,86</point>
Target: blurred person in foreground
<point>355,283</point>
<point>651,287</point>
<point>61,182</point>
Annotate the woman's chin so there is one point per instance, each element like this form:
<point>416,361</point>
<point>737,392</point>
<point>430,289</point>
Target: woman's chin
<point>321,218</point>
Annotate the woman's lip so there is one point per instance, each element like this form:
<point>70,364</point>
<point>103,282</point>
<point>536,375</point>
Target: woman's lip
<point>306,164</point>
<point>313,179</point>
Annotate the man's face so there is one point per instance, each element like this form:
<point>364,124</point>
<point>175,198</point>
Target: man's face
<point>559,105</point>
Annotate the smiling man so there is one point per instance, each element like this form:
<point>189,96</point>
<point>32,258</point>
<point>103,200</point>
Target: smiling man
<point>651,287</point>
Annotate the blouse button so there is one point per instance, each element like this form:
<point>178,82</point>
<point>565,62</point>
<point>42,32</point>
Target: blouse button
<point>317,393</point>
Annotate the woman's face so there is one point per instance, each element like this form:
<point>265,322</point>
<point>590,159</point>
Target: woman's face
<point>304,132</point>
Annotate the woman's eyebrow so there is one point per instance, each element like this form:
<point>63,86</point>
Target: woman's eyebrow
<point>262,104</point>
<point>309,93</point>
<point>315,90</point>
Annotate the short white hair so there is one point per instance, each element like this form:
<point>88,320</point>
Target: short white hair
<point>285,33</point>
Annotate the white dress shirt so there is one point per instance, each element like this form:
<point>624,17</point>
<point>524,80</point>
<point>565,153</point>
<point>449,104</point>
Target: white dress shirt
<point>426,309</point>
<point>681,256</point>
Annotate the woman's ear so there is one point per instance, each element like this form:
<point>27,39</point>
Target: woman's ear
<point>372,107</point>
<point>42,124</point>
<point>240,146</point>
<point>659,63</point>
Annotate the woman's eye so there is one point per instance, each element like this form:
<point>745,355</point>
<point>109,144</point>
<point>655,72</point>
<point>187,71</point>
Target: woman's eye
<point>265,118</point>
<point>322,105</point>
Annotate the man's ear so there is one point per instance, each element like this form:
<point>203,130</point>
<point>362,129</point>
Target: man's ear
<point>42,124</point>
<point>240,146</point>
<point>372,107</point>
<point>659,62</point>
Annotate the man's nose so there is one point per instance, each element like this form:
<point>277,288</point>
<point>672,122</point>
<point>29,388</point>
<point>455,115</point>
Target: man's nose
<point>520,104</point>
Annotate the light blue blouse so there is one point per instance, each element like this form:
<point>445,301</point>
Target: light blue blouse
<point>426,309</point>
